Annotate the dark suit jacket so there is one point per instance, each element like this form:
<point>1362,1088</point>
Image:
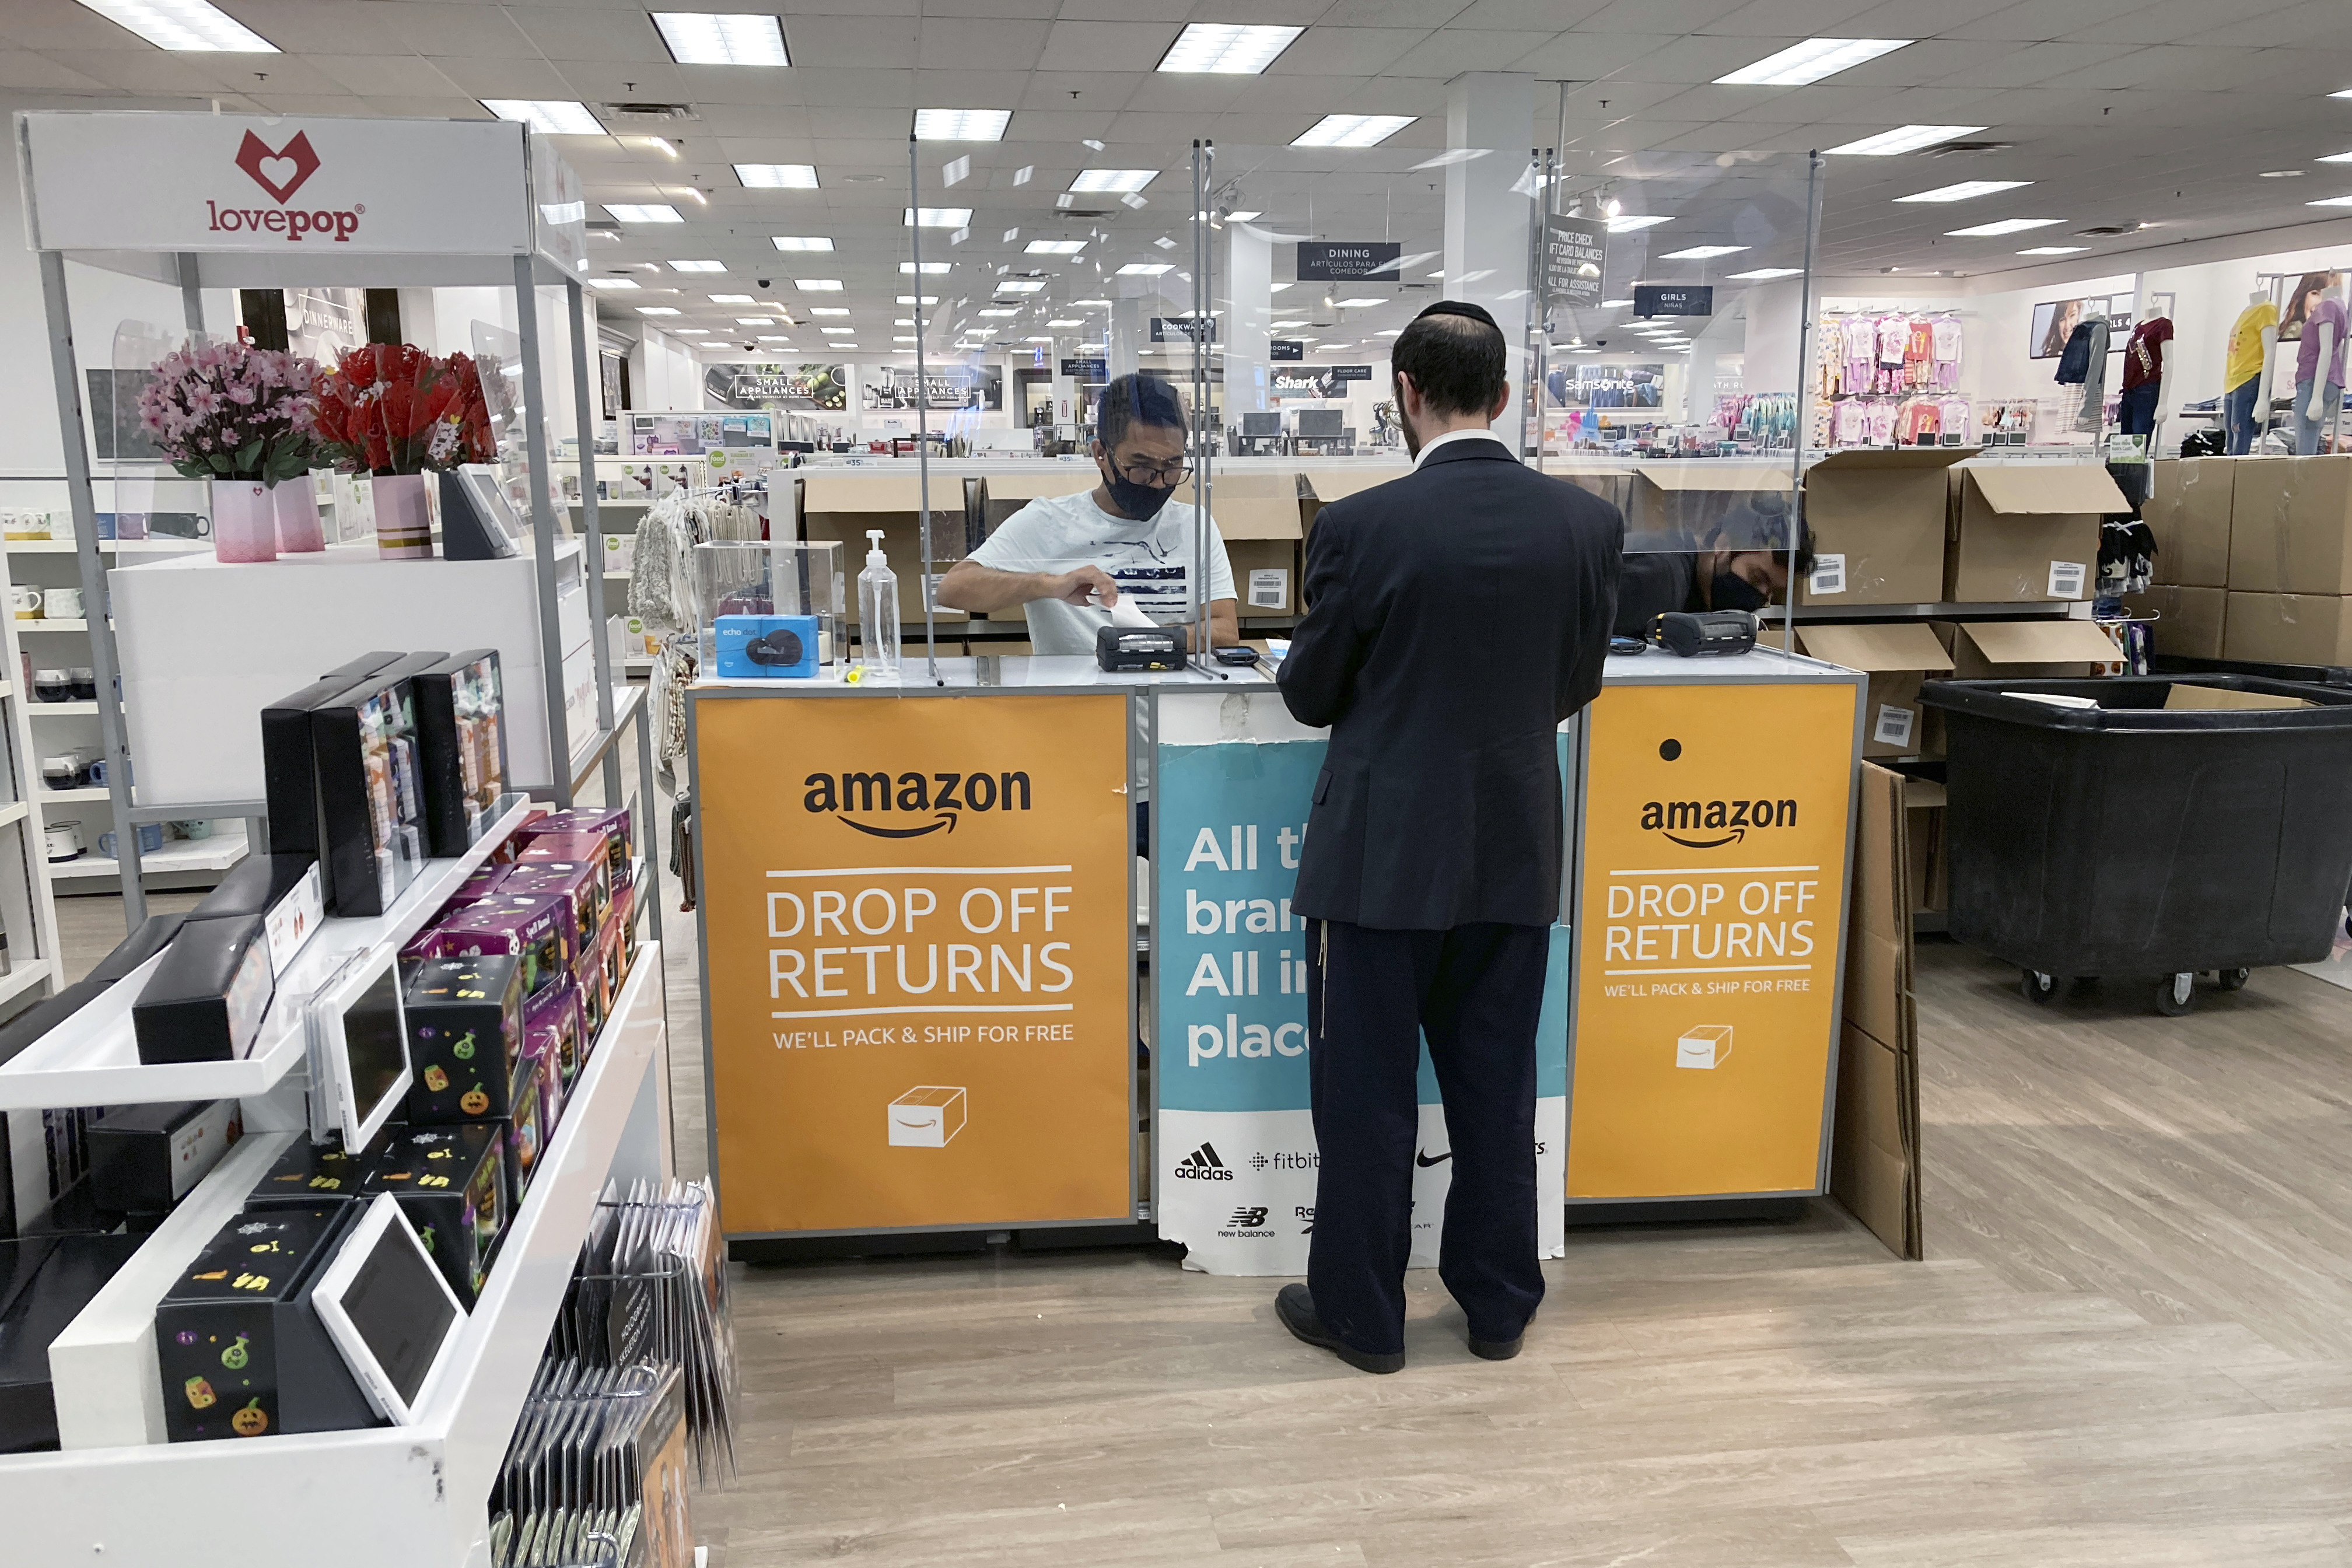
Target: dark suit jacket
<point>1455,617</point>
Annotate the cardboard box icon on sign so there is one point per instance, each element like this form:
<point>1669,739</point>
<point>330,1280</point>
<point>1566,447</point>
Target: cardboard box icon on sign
<point>927,1115</point>
<point>1705,1047</point>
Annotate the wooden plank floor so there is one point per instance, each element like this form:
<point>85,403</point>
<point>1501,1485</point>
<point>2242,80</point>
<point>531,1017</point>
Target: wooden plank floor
<point>2131,1344</point>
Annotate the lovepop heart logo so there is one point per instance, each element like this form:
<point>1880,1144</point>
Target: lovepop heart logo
<point>279,171</point>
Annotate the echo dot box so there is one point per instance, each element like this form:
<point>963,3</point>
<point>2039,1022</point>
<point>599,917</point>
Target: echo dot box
<point>766,647</point>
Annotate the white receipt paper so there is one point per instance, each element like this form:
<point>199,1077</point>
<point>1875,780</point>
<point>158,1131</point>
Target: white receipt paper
<point>1125,613</point>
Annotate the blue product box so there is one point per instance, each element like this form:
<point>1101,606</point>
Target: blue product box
<point>766,647</point>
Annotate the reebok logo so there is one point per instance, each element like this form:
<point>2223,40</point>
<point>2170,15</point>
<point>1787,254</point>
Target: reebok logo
<point>1728,820</point>
<point>281,172</point>
<point>945,797</point>
<point>1202,1166</point>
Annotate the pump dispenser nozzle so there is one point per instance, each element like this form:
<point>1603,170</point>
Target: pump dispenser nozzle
<point>874,551</point>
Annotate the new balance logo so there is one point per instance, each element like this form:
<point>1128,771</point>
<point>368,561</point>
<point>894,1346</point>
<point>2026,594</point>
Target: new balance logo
<point>1202,1166</point>
<point>1247,1219</point>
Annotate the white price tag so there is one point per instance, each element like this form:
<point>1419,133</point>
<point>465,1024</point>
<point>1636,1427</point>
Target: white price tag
<point>1269,589</point>
<point>2066,579</point>
<point>1828,576</point>
<point>1893,728</point>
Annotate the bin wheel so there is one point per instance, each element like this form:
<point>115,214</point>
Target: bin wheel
<point>2234,979</point>
<point>2175,994</point>
<point>2038,986</point>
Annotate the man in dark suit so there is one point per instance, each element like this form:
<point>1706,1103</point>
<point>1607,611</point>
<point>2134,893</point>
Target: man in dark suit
<point>1455,617</point>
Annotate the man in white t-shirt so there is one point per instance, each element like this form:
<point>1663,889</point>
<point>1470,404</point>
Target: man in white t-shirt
<point>1064,560</point>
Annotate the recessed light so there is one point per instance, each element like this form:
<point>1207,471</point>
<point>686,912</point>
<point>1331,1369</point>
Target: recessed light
<point>909,299</point>
<point>697,267</point>
<point>904,321</point>
<point>1904,138</point>
<point>187,27</point>
<point>1584,351</point>
<point>657,311</point>
<point>555,116</point>
<point>1801,64</point>
<point>731,300</point>
<point>1390,332</point>
<point>839,332</point>
<point>2296,174</point>
<point>1227,48</point>
<point>800,242</point>
<point>1056,247</point>
<point>1360,302</point>
<point>1021,285</point>
<point>612,283</point>
<point>1353,129</point>
<point>1066,322</point>
<point>818,285</point>
<point>1126,181</point>
<point>777,176</point>
<point>1702,252</point>
<point>2055,250</point>
<point>755,320</point>
<point>2006,226</point>
<point>828,309</point>
<point>961,124</point>
<point>1765,274</point>
<point>1283,326</point>
<point>2331,202</point>
<point>1243,216</point>
<point>649,212</point>
<point>691,331</point>
<point>1036,340</point>
<point>703,39</point>
<point>772,338</point>
<point>1629,224</point>
<point>1966,190</point>
<point>938,217</point>
<point>1001,311</point>
<point>2346,93</point>
<point>2331,158</point>
<point>1615,304</point>
<point>930,269</point>
<point>908,339</point>
<point>1145,268</point>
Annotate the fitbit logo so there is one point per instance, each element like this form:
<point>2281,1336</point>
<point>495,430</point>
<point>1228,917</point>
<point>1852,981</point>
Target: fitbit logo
<point>1728,820</point>
<point>1202,1166</point>
<point>945,797</point>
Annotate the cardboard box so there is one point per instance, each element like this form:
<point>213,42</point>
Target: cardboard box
<point>464,1038</point>
<point>1875,1145</point>
<point>1262,535</point>
<point>1002,495</point>
<point>1611,484</point>
<point>452,1183</point>
<point>143,1159</point>
<point>2189,507</point>
<point>928,1116</point>
<point>1324,486</point>
<point>2047,650</point>
<point>1897,655</point>
<point>2027,531</point>
<point>2185,622</point>
<point>2183,697</point>
<point>2291,525</point>
<point>843,506</point>
<point>1698,498</point>
<point>206,999</point>
<point>1931,867</point>
<point>1878,525</point>
<point>2288,629</point>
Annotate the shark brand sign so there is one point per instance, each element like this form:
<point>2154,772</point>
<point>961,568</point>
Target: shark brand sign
<point>1347,261</point>
<point>306,187</point>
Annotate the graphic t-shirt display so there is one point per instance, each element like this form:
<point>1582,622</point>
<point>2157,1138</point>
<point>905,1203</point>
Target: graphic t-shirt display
<point>1947,333</point>
<point>2245,354</point>
<point>2144,355</point>
<point>2329,313</point>
<point>1151,562</point>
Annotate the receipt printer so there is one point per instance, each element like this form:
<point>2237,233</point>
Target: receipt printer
<point>766,647</point>
<point>1715,633</point>
<point>1139,648</point>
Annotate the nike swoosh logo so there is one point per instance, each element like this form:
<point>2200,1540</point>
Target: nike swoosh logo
<point>1425,1162</point>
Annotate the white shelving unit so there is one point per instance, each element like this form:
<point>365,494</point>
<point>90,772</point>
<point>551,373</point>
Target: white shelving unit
<point>28,912</point>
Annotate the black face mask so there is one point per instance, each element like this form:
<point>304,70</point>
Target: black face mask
<point>1141,502</point>
<point>1731,591</point>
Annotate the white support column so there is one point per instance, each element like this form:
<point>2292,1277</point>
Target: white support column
<point>1126,330</point>
<point>1249,313</point>
<point>1486,222</point>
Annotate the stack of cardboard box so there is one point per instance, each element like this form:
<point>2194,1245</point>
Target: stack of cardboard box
<point>2255,559</point>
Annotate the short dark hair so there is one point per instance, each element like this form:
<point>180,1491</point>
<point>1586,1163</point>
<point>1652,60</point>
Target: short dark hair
<point>1136,399</point>
<point>1456,362</point>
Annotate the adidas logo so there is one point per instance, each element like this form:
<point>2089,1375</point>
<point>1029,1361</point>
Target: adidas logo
<point>1202,1166</point>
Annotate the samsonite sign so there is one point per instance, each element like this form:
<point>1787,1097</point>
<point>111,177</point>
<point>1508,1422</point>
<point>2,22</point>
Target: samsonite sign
<point>291,185</point>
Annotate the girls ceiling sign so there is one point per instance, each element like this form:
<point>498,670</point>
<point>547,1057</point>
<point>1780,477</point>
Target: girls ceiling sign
<point>149,182</point>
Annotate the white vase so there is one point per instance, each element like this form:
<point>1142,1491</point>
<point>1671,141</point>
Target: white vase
<point>404,516</point>
<point>296,507</point>
<point>245,520</point>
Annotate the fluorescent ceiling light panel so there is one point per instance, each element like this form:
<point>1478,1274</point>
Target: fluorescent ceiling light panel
<point>188,26</point>
<point>828,309</point>
<point>1056,247</point>
<point>2055,250</point>
<point>1906,138</point>
<point>2338,158</point>
<point>755,320</point>
<point>1283,326</point>
<point>1631,224</point>
<point>1966,190</point>
<point>961,124</point>
<point>1361,301</point>
<point>1390,332</point>
<point>909,299</point>
<point>645,212</point>
<point>1801,64</point>
<point>817,285</point>
<point>1128,181</point>
<point>1226,49</point>
<point>1765,274</point>
<point>773,338</point>
<point>1001,311</point>
<point>691,331</point>
<point>1036,340</point>
<point>777,176</point>
<point>697,267</point>
<point>1066,322</point>
<point>839,331</point>
<point>800,242</point>
<point>657,311</point>
<point>2331,202</point>
<point>930,269</point>
<point>1021,286</point>
<point>2006,226</point>
<point>1353,129</point>
<point>704,39</point>
<point>938,217</point>
<point>731,300</point>
<point>1702,252</point>
<point>612,283</point>
<point>1145,268</point>
<point>1242,217</point>
<point>555,116</point>
<point>1615,304</point>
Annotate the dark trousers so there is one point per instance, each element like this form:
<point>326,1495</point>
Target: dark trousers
<point>1475,991</point>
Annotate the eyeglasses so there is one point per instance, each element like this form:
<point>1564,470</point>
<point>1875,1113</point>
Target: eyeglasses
<point>1162,476</point>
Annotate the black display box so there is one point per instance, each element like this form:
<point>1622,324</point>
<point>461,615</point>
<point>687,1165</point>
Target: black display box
<point>309,1175</point>
<point>454,1184</point>
<point>205,1001</point>
<point>290,772</point>
<point>143,1159</point>
<point>153,935</point>
<point>461,743</point>
<point>44,1283</point>
<point>464,1038</point>
<point>371,808</point>
<point>242,1352</point>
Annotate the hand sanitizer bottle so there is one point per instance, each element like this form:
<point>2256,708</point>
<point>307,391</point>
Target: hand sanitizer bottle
<point>878,612</point>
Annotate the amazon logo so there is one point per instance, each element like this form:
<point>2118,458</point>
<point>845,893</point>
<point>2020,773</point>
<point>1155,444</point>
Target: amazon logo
<point>917,804</point>
<point>1711,825</point>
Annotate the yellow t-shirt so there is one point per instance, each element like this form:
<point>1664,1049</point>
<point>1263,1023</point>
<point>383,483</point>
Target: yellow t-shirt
<point>2246,343</point>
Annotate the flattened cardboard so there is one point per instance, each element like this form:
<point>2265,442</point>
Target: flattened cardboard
<point>2188,510</point>
<point>1985,650</point>
<point>1874,1141</point>
<point>2183,697</point>
<point>2288,629</point>
<point>2029,533</point>
<point>1002,495</point>
<point>1878,517</point>
<point>2291,525</point>
<point>1695,497</point>
<point>2185,622</point>
<point>1897,657</point>
<point>843,506</point>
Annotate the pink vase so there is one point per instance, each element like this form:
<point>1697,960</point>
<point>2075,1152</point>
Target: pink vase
<point>296,507</point>
<point>404,516</point>
<point>245,520</point>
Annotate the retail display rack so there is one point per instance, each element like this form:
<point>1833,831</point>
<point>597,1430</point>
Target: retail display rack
<point>28,911</point>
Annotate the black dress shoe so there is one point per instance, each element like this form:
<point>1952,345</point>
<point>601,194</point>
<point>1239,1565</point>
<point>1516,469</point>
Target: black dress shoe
<point>1496,1350</point>
<point>1296,1308</point>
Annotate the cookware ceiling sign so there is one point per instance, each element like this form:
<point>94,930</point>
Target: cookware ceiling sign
<point>217,183</point>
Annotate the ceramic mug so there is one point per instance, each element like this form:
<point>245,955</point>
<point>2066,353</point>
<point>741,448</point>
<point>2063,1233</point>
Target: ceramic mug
<point>64,840</point>
<point>61,604</point>
<point>28,602</point>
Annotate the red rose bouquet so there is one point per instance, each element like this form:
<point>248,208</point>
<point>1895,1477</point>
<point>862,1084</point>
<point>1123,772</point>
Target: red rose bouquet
<point>394,409</point>
<point>231,411</point>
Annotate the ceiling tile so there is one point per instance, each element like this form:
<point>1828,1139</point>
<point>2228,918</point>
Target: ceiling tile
<point>489,77</point>
<point>154,70</point>
<point>824,43</point>
<point>1106,46</point>
<point>402,106</point>
<point>2317,24</point>
<point>1347,51</point>
<point>1794,18</point>
<point>1692,61</point>
<point>565,33</point>
<point>325,27</point>
<point>62,25</point>
<point>2035,63</point>
<point>1526,16</point>
<point>1585,57</point>
<point>378,76</point>
<point>1448,54</point>
<point>432,28</point>
<point>950,43</point>
<point>1389,14</point>
<point>25,70</point>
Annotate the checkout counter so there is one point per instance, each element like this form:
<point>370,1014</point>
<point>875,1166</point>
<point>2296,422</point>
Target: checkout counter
<point>922,912</point>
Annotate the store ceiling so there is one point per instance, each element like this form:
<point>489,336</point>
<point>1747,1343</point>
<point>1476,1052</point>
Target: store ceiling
<point>2119,113</point>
